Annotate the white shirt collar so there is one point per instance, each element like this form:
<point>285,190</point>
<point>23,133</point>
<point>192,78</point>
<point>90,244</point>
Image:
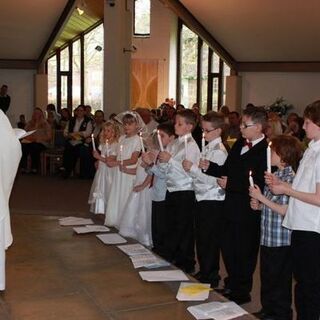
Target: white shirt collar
<point>214,142</point>
<point>254,142</point>
<point>181,138</point>
<point>314,145</point>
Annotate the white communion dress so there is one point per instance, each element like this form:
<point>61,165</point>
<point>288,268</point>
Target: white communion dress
<point>122,183</point>
<point>101,185</point>
<point>10,154</point>
<point>135,220</point>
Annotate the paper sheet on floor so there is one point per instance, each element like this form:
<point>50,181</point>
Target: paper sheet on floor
<point>111,238</point>
<point>164,275</point>
<point>74,221</point>
<point>90,228</point>
<point>217,311</point>
<point>148,261</point>
<point>193,291</point>
<point>134,249</point>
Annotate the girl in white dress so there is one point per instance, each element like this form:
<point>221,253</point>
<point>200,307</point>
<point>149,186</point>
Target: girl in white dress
<point>101,185</point>
<point>135,220</point>
<point>128,151</point>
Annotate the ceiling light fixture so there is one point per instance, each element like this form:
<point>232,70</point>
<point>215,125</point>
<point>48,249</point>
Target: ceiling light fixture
<point>80,11</point>
<point>81,6</point>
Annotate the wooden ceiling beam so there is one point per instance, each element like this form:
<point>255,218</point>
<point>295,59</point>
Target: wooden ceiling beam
<point>18,64</point>
<point>67,12</point>
<point>188,18</point>
<point>298,66</point>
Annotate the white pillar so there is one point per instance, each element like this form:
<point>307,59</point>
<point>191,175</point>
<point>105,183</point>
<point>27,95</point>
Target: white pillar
<point>117,63</point>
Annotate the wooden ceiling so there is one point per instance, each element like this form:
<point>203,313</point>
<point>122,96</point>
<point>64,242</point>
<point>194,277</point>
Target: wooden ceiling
<point>93,13</point>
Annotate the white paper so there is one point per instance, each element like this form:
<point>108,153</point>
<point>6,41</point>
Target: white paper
<point>217,311</point>
<point>148,261</point>
<point>91,228</point>
<point>111,238</point>
<point>184,294</point>
<point>20,133</point>
<point>134,249</point>
<point>165,275</point>
<point>74,221</point>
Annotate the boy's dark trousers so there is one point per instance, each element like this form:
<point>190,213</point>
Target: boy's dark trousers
<point>180,227</point>
<point>276,281</point>
<point>159,226</point>
<point>209,224</point>
<point>306,270</point>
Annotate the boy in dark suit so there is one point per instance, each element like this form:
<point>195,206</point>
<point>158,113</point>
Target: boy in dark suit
<point>240,242</point>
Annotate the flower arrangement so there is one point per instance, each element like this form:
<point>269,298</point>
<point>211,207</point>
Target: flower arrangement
<point>280,106</point>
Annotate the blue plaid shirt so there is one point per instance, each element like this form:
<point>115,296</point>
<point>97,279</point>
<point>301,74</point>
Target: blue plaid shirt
<point>273,234</point>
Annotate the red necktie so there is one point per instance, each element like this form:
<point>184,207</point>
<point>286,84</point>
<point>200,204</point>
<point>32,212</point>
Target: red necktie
<point>247,143</point>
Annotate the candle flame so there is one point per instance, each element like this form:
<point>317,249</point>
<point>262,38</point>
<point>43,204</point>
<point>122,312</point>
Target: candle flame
<point>270,143</point>
<point>203,134</point>
<point>250,173</point>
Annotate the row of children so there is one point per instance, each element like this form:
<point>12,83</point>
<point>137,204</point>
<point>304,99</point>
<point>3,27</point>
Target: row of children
<point>205,199</point>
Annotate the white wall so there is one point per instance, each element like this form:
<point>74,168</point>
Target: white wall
<point>160,47</point>
<point>262,88</point>
<point>21,91</point>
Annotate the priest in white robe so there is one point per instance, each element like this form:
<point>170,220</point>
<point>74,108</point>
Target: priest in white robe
<point>10,154</point>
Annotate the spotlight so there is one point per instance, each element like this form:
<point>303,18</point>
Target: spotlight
<point>80,11</point>
<point>81,7</point>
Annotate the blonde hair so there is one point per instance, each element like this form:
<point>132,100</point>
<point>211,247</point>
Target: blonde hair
<point>116,132</point>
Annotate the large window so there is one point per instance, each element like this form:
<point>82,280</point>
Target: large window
<point>201,73</point>
<point>52,80</point>
<point>189,67</point>
<point>75,73</point>
<point>93,68</point>
<point>142,13</point>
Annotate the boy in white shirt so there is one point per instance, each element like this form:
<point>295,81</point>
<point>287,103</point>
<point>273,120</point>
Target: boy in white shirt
<point>210,197</point>
<point>303,217</point>
<point>180,197</point>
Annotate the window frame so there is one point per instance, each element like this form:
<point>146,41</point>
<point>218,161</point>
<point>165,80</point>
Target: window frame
<point>211,75</point>
<point>69,73</point>
<point>136,34</point>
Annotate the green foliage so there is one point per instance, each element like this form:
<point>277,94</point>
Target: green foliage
<point>280,106</point>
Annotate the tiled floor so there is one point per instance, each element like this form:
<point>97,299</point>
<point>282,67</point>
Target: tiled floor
<point>54,274</point>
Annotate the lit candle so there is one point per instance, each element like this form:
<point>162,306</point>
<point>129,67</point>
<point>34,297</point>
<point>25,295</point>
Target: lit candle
<point>251,179</point>
<point>203,144</point>
<point>121,155</point>
<point>159,140</point>
<point>93,143</point>
<point>186,145</point>
<point>269,157</point>
<point>107,147</point>
<point>141,142</point>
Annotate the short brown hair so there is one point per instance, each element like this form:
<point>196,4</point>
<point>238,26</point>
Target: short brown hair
<point>312,112</point>
<point>257,115</point>
<point>167,127</point>
<point>215,118</point>
<point>288,148</point>
<point>189,116</point>
<point>129,118</point>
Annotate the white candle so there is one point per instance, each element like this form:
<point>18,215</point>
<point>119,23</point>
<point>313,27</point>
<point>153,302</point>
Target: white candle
<point>107,147</point>
<point>203,144</point>
<point>159,140</point>
<point>251,179</point>
<point>186,145</point>
<point>93,143</point>
<point>121,155</point>
<point>269,157</point>
<point>141,142</point>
